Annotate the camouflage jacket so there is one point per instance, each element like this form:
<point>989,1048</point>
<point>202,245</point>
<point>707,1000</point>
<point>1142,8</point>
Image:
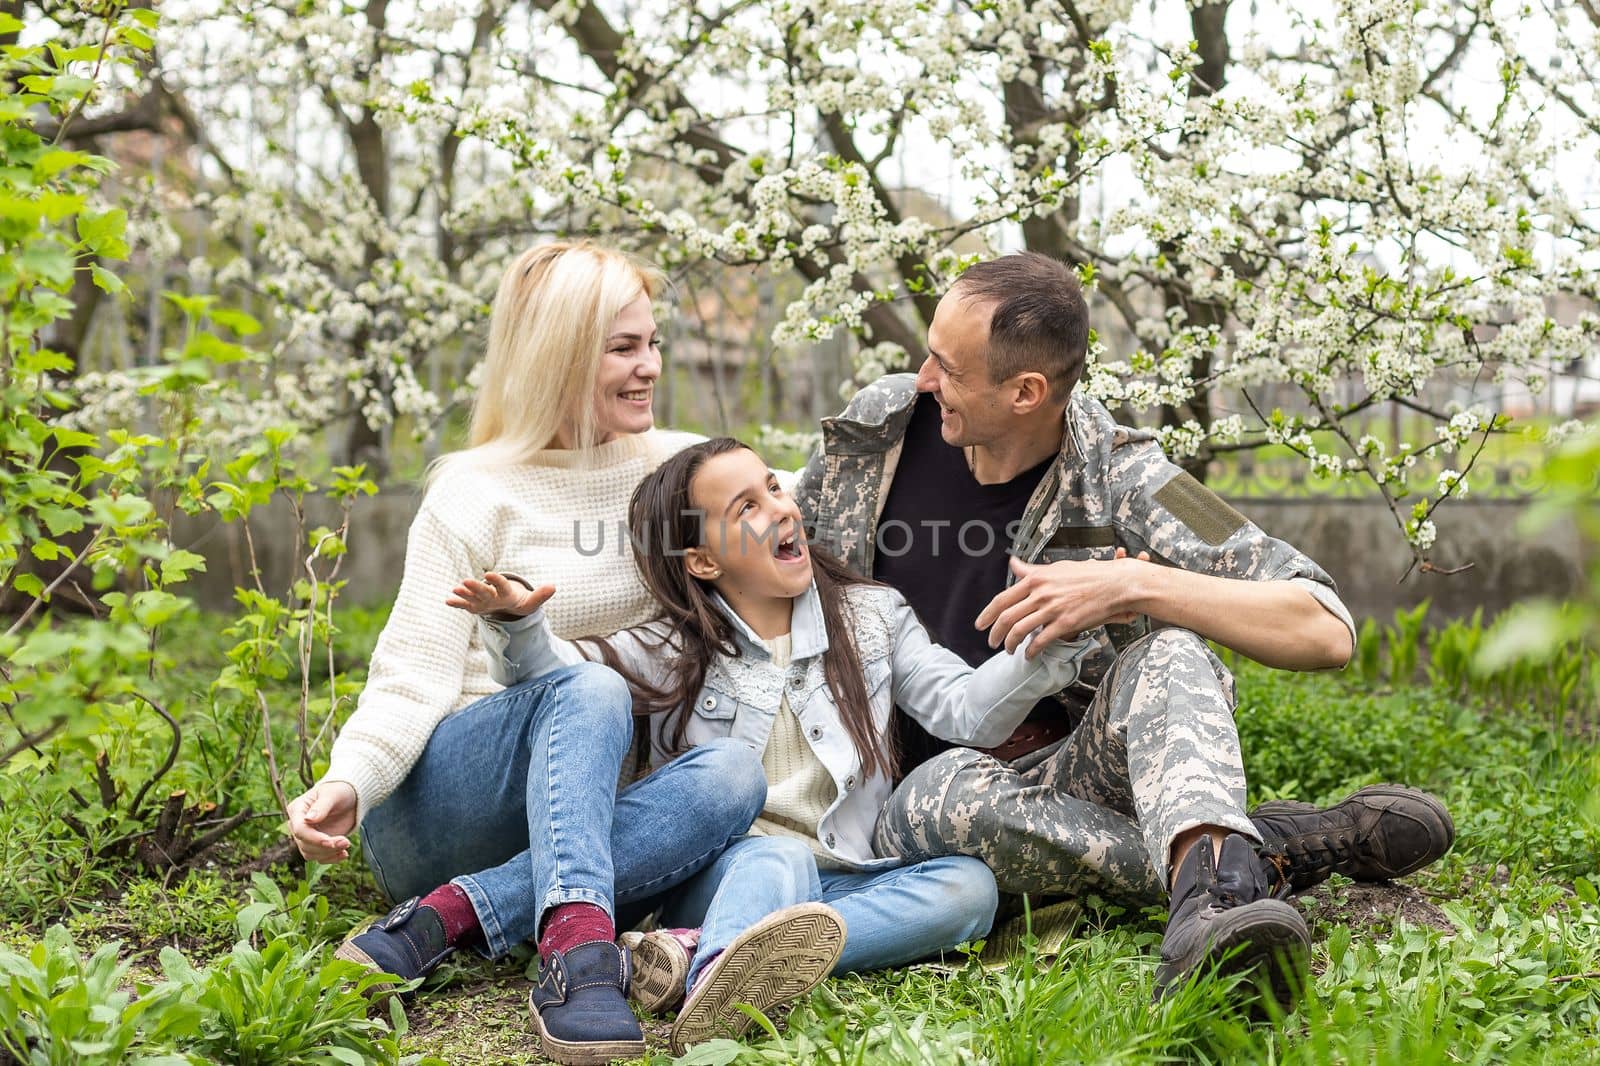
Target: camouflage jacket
<point>1111,487</point>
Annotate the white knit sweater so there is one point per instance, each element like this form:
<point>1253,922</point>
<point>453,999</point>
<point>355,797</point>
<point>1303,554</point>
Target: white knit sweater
<point>554,521</point>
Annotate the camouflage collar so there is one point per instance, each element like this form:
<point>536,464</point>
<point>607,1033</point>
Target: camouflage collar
<point>878,416</point>
<point>874,418</point>
<point>1071,446</point>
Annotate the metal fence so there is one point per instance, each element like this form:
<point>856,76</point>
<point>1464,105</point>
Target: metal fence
<point>1246,476</point>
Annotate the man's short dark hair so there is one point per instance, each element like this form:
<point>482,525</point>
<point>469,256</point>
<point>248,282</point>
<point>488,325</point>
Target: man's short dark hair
<point>1040,323</point>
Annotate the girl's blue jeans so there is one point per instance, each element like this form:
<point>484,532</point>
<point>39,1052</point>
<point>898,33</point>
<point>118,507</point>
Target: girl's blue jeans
<point>891,917</point>
<point>515,800</point>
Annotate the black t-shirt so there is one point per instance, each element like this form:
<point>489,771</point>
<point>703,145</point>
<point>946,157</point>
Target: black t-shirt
<point>942,541</point>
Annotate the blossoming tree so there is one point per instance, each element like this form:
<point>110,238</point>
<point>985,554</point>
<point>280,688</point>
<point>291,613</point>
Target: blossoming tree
<point>1297,216</point>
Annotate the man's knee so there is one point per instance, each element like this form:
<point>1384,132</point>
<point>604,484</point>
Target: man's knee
<point>1179,656</point>
<point>1168,643</point>
<point>939,808</point>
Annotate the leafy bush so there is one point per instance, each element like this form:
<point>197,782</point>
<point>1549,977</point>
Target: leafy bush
<point>302,913</point>
<point>193,913</point>
<point>60,1009</point>
<point>1469,661</point>
<point>1540,631</point>
<point>287,1004</point>
<point>88,731</point>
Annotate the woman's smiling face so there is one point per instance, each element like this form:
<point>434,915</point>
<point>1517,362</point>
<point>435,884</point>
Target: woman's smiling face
<point>630,363</point>
<point>753,537</point>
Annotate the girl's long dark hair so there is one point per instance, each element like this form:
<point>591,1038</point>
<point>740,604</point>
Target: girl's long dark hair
<point>664,525</point>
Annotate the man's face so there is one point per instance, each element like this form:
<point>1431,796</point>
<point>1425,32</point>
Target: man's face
<point>971,409</point>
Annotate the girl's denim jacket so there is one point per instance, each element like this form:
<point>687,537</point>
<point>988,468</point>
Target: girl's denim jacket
<point>742,694</point>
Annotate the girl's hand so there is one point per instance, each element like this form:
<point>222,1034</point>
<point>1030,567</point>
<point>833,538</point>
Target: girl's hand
<point>322,819</point>
<point>497,594</point>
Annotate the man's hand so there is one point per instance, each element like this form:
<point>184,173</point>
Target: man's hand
<point>497,594</point>
<point>1276,623</point>
<point>1061,600</point>
<point>322,819</point>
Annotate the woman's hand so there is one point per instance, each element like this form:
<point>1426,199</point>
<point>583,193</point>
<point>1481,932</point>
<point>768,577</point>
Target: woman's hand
<point>497,594</point>
<point>321,820</point>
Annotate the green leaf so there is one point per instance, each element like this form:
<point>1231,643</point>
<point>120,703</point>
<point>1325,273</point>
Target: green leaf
<point>120,511</point>
<point>105,280</point>
<point>177,566</point>
<point>21,209</point>
<point>75,438</point>
<point>1529,632</point>
<point>243,324</point>
<point>59,205</point>
<point>155,607</point>
<point>56,160</point>
<point>212,347</point>
<point>44,361</point>
<point>60,520</point>
<point>138,38</point>
<point>250,917</point>
<point>103,233</point>
<point>192,306</point>
<point>29,585</point>
<point>69,87</point>
<point>49,260</point>
<point>44,645</point>
<point>10,24</point>
<point>176,966</point>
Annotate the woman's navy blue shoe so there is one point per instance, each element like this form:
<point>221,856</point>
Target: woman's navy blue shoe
<point>580,1006</point>
<point>407,942</point>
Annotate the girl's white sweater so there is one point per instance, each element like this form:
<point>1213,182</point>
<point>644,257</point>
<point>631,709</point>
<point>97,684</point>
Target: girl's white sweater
<point>555,521</point>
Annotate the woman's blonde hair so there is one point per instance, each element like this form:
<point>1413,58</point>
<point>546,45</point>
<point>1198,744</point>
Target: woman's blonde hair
<point>551,317</point>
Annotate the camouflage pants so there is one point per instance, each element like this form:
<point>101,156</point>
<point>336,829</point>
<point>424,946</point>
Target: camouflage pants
<point>1156,753</point>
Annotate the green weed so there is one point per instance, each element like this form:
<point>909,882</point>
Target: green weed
<point>192,913</point>
<point>59,1009</point>
<point>285,1004</point>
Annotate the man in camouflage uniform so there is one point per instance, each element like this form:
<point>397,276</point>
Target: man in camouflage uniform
<point>1114,784</point>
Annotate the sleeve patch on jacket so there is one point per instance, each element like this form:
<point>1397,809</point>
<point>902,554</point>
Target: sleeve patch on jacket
<point>1203,511</point>
<point>1083,537</point>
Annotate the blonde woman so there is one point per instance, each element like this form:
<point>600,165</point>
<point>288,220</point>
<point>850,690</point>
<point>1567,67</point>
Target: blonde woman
<point>494,813</point>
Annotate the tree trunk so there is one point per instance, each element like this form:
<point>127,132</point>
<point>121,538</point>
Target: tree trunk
<point>1208,22</point>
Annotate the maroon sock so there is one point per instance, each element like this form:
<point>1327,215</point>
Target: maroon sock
<point>571,924</point>
<point>454,908</point>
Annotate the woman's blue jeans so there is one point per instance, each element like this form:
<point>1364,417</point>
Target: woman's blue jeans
<point>515,800</point>
<point>891,917</point>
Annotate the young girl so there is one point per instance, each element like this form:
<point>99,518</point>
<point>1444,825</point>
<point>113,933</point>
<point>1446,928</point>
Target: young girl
<point>764,641</point>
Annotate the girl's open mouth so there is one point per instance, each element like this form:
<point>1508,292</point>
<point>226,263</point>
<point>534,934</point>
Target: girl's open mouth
<point>790,549</point>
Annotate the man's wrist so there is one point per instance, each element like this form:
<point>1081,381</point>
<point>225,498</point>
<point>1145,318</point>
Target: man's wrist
<point>1141,588</point>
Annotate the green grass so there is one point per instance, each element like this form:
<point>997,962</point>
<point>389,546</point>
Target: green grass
<point>1491,956</point>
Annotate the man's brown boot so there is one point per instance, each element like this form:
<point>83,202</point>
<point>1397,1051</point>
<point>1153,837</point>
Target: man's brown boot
<point>1379,833</point>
